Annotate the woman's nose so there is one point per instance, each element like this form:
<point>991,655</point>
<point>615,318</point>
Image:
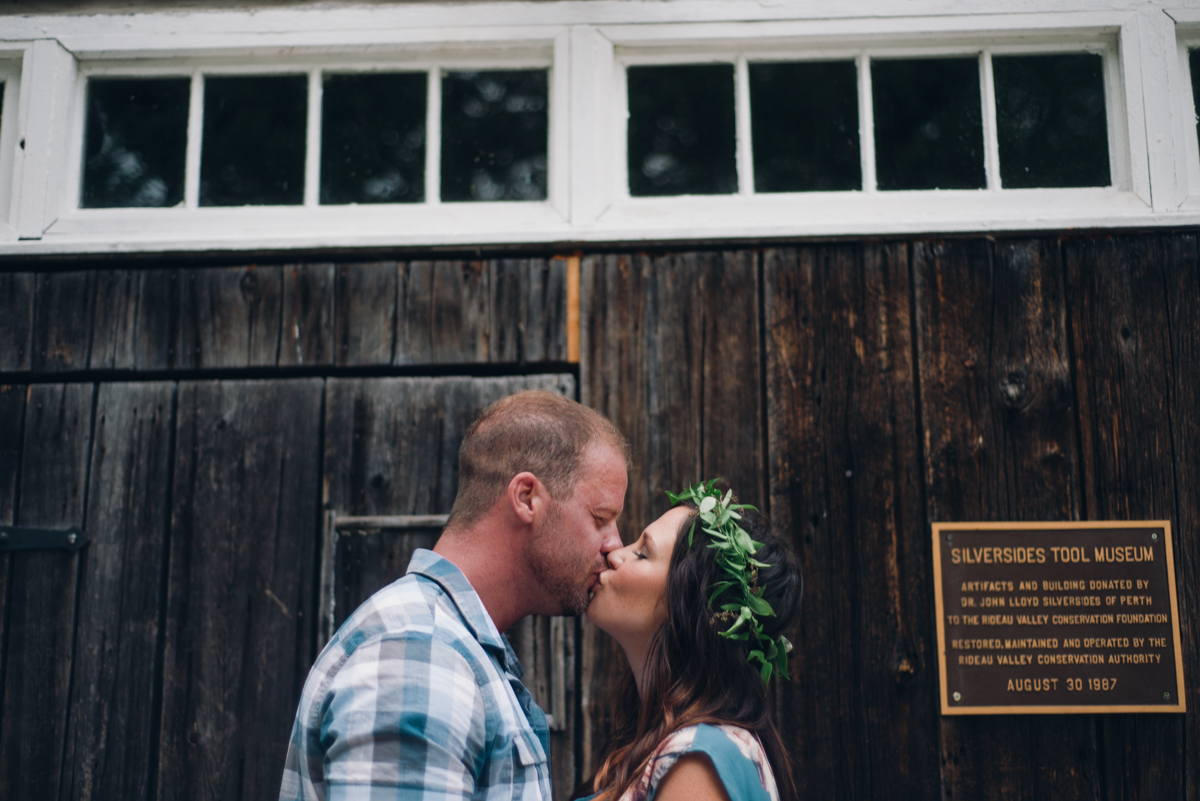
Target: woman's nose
<point>615,558</point>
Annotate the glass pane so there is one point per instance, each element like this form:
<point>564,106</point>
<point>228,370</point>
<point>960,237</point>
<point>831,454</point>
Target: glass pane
<point>804,119</point>
<point>494,135</point>
<point>135,142</point>
<point>681,130</point>
<point>928,124</point>
<point>252,153</point>
<point>373,138</point>
<point>1051,121</point>
<point>1194,63</point>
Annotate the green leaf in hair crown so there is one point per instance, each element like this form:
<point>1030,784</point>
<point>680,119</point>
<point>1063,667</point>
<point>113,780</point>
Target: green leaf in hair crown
<point>741,601</point>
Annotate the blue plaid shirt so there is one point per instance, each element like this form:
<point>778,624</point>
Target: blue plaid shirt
<point>418,696</point>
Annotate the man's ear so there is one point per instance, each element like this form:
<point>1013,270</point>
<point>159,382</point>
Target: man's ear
<point>526,496</point>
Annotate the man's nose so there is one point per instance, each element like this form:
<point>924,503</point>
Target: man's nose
<point>611,541</point>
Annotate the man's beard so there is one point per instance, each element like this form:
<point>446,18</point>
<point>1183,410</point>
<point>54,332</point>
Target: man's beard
<point>564,576</point>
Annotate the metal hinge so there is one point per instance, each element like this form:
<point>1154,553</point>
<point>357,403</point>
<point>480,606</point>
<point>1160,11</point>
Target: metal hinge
<point>21,538</point>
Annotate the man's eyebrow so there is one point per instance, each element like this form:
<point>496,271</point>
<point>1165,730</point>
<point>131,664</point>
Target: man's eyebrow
<point>606,511</point>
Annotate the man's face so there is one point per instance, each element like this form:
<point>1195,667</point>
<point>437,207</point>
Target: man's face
<point>569,545</point>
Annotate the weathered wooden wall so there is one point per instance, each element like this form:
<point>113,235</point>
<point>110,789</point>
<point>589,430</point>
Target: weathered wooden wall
<point>858,391</point>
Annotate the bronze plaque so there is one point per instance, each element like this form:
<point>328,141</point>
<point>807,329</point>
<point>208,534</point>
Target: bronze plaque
<point>1053,618</point>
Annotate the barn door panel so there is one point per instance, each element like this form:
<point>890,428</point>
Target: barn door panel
<point>40,618</point>
<point>245,522</point>
<point>391,473</point>
<point>110,745</point>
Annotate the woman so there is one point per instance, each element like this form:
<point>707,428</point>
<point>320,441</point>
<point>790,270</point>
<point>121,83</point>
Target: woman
<point>699,603</point>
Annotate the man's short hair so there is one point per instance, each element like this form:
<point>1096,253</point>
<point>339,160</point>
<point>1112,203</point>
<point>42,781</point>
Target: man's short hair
<point>536,431</point>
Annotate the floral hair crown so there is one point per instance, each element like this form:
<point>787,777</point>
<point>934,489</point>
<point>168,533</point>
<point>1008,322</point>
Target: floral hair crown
<point>718,517</point>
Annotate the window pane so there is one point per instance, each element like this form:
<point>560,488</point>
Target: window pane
<point>928,124</point>
<point>373,138</point>
<point>681,130</point>
<point>804,119</point>
<point>1194,63</point>
<point>1051,121</point>
<point>252,152</point>
<point>135,142</point>
<point>494,135</point>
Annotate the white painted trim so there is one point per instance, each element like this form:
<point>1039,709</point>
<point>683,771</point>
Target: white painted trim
<point>991,139</point>
<point>312,140</point>
<point>47,88</point>
<point>586,46</point>
<point>433,138</point>
<point>743,131</point>
<point>10,74</point>
<point>191,170</point>
<point>1183,99</point>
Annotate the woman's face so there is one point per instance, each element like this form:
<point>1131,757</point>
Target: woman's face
<point>629,600</point>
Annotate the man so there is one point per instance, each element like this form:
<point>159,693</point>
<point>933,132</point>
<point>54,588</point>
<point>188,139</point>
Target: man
<point>418,696</point>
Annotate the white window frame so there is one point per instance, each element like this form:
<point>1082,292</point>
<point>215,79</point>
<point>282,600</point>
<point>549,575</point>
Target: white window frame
<point>10,114</point>
<point>586,45</point>
<point>1182,98</point>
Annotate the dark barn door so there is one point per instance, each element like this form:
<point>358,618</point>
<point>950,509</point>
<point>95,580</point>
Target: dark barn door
<point>391,470</point>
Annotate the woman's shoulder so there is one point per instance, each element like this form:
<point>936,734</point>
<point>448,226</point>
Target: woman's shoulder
<point>736,753</point>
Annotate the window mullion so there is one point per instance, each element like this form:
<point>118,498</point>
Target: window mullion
<point>191,179</point>
<point>866,123</point>
<point>745,149</point>
<point>312,152</point>
<point>991,145</point>
<point>433,138</point>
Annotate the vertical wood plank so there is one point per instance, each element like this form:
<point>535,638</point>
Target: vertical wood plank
<point>365,316</point>
<point>998,414</point>
<point>136,320</point>
<point>308,314</point>
<point>843,456</point>
<point>1182,270</point>
<point>115,320</point>
<point>110,738</point>
<point>229,317</point>
<point>41,618</point>
<point>63,320</point>
<point>443,309</point>
<point>12,430</point>
<point>241,595</point>
<point>17,291</point>
<point>545,320</point>
<point>1125,371</point>
<point>509,308</point>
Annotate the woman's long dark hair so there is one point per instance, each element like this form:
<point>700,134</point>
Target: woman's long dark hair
<point>694,675</point>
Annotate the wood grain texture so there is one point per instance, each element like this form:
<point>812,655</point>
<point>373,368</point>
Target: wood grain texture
<point>527,313</point>
<point>308,314</point>
<point>1125,373</point>
<point>136,319</point>
<point>41,615</point>
<point>12,432</point>
<point>999,413</point>
<point>229,317</point>
<point>241,598</point>
<point>17,291</point>
<point>1182,272</point>
<point>842,450</point>
<point>62,324</point>
<point>669,353</point>
<point>110,747</point>
<point>365,315</point>
<point>443,312</point>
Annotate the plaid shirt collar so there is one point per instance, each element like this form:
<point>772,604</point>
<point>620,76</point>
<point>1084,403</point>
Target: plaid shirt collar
<point>439,569</point>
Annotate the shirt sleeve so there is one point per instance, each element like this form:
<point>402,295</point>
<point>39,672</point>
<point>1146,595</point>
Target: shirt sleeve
<point>404,718</point>
<point>741,766</point>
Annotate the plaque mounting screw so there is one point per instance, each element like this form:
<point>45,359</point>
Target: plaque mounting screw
<point>1154,536</point>
<point>1167,696</point>
<point>949,538</point>
<point>957,695</point>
